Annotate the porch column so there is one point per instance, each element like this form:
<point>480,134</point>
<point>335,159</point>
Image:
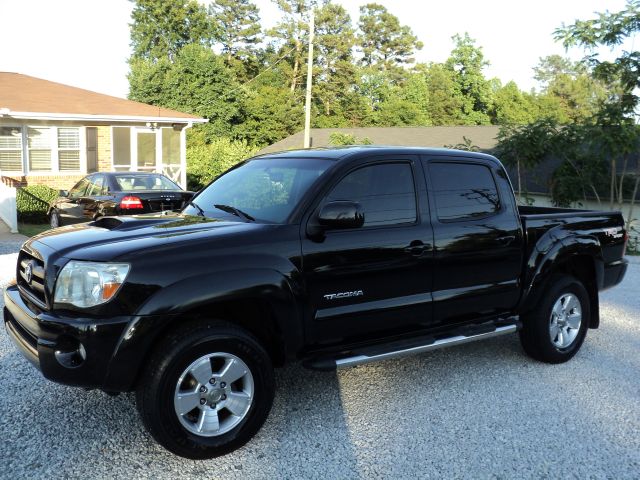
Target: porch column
<point>183,156</point>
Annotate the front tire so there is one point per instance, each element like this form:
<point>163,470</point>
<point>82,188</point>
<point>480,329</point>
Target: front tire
<point>206,390</point>
<point>556,329</point>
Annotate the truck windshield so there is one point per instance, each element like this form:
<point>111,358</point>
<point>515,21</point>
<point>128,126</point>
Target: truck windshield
<point>262,189</point>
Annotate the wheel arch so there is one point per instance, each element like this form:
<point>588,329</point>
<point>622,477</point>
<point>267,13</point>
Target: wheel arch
<point>259,301</point>
<point>579,256</point>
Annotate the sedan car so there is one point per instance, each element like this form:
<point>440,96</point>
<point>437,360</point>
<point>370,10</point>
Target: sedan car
<point>119,193</point>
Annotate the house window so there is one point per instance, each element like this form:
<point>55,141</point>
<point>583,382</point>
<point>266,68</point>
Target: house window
<point>11,149</point>
<point>121,149</point>
<point>39,142</point>
<point>68,149</point>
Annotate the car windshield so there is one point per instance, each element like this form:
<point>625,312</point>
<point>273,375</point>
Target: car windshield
<point>263,189</point>
<point>151,181</point>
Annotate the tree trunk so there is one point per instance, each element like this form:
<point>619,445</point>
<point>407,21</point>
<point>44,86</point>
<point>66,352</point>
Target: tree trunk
<point>519,181</point>
<point>595,192</point>
<point>633,201</point>
<point>296,65</point>
<point>612,193</point>
<point>620,189</point>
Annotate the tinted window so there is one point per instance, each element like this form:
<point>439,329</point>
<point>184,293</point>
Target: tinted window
<point>463,191</point>
<point>386,193</point>
<point>96,187</point>
<point>79,188</point>
<point>128,182</point>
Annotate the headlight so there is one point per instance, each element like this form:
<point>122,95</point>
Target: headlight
<point>86,284</point>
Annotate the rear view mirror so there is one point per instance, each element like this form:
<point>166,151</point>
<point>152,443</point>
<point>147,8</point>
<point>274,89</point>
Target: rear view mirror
<point>341,214</point>
<point>63,193</point>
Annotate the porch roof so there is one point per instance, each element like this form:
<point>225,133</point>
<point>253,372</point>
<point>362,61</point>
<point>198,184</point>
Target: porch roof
<point>25,97</point>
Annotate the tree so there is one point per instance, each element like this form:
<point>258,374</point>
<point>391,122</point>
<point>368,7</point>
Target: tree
<point>384,42</point>
<point>271,114</point>
<point>511,106</point>
<point>582,172</point>
<point>571,85</point>
<point>334,76</point>
<point>197,81</point>
<point>610,29</point>
<point>338,139</point>
<point>616,116</point>
<point>160,28</point>
<point>467,62</point>
<point>238,23</point>
<point>444,97</point>
<point>466,145</point>
<point>525,146</point>
<point>293,33</point>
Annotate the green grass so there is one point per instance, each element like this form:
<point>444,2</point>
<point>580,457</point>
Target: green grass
<point>31,229</point>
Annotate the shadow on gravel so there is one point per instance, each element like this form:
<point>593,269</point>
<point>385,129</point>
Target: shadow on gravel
<point>485,404</point>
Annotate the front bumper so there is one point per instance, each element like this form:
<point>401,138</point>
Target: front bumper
<point>75,350</point>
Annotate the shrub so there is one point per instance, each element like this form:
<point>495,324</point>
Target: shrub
<point>338,139</point>
<point>33,203</point>
<point>208,159</point>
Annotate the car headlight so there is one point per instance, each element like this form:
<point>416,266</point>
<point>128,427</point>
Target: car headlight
<point>86,284</point>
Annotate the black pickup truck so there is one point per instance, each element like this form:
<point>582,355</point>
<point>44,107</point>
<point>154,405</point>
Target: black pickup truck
<point>331,257</point>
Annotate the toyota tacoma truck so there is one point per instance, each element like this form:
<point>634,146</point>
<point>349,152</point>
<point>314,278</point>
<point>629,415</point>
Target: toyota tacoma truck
<point>329,257</point>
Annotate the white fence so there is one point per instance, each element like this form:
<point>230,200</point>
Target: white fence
<point>8,208</point>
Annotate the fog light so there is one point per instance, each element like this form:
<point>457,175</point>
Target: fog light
<point>70,353</point>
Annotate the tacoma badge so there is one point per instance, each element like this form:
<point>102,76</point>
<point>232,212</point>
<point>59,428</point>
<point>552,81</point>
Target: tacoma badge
<point>335,296</point>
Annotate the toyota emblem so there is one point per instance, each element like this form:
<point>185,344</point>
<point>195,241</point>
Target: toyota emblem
<point>28,272</point>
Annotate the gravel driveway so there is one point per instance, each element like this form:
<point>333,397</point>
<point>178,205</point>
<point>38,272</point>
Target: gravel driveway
<point>481,410</point>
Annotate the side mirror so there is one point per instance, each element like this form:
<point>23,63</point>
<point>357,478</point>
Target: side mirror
<point>63,193</point>
<point>341,214</point>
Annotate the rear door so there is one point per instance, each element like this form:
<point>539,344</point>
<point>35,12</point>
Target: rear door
<point>478,239</point>
<point>376,278</point>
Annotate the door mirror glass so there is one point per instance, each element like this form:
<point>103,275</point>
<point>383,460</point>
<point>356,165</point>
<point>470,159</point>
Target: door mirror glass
<point>63,193</point>
<point>341,214</point>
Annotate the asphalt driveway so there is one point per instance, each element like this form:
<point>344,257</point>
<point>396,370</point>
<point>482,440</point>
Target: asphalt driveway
<point>481,410</point>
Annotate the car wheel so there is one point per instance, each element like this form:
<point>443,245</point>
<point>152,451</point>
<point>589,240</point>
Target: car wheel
<point>206,390</point>
<point>556,329</point>
<point>54,219</point>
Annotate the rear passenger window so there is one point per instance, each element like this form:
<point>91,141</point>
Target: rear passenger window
<point>463,191</point>
<point>385,191</point>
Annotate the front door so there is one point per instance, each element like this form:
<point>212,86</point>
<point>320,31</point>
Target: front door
<point>376,278</point>
<point>70,208</point>
<point>478,240</point>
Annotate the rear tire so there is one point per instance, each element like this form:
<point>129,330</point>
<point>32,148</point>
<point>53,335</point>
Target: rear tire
<point>54,219</point>
<point>216,417</point>
<point>556,329</point>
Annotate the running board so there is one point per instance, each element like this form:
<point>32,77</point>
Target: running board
<point>428,344</point>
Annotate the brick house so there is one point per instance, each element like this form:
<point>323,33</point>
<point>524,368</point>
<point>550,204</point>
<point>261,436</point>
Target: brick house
<point>54,134</point>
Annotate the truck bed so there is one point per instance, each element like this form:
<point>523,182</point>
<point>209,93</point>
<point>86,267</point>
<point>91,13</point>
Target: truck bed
<point>608,227</point>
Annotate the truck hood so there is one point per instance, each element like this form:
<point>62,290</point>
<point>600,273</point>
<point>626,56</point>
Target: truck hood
<point>114,237</point>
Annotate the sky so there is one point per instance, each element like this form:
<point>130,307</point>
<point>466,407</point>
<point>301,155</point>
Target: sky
<point>85,43</point>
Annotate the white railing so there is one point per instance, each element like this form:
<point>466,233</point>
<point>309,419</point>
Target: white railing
<point>8,207</point>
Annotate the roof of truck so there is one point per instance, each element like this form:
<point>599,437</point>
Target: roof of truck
<point>340,153</point>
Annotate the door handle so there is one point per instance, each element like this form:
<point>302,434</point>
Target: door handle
<point>506,240</point>
<point>415,248</point>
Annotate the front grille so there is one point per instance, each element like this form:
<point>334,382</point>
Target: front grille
<point>34,285</point>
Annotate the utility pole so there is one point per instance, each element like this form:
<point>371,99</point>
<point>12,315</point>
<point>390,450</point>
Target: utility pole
<point>307,103</point>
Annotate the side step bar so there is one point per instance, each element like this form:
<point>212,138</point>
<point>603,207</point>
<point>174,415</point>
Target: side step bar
<point>429,344</point>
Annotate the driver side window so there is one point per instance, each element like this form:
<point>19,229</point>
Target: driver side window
<point>79,188</point>
<point>385,191</point>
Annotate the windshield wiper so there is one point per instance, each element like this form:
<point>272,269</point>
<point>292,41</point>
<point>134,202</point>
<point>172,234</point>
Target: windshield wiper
<point>235,211</point>
<point>194,204</point>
